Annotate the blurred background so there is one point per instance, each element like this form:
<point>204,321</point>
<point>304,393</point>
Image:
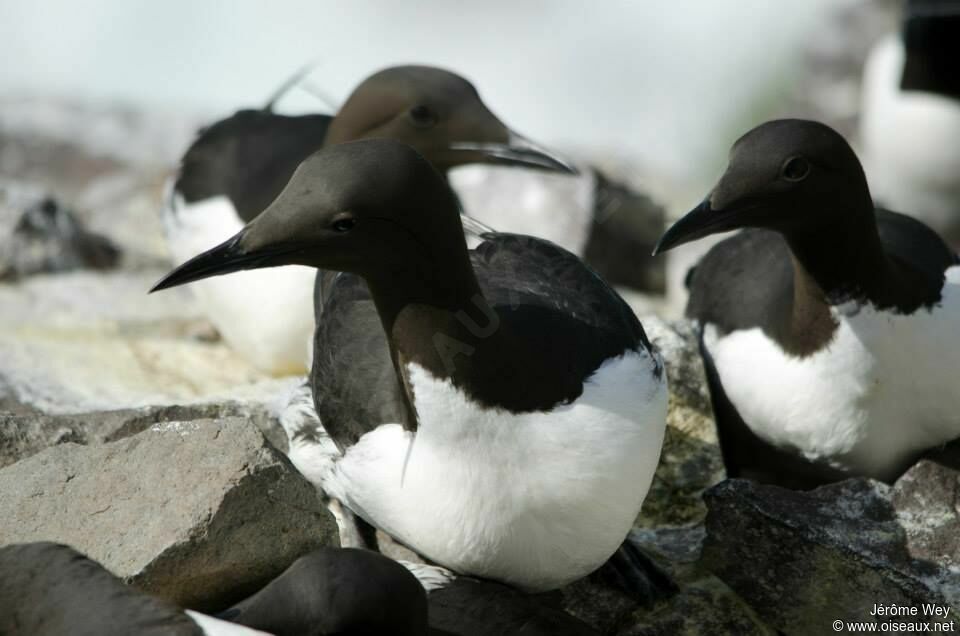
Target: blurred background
<point>98,100</point>
<point>664,84</point>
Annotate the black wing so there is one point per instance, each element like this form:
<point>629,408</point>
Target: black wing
<point>914,243</point>
<point>557,306</point>
<point>249,157</point>
<point>741,281</point>
<point>355,387</point>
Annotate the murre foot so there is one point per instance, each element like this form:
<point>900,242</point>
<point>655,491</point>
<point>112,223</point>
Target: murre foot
<point>431,577</point>
<point>637,574</point>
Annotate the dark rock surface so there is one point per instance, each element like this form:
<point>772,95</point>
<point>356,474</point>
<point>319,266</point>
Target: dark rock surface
<point>490,608</point>
<point>199,512</point>
<point>804,559</point>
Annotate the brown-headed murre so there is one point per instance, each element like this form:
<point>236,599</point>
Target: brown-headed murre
<point>48,589</point>
<point>828,327</point>
<point>910,120</point>
<point>239,165</point>
<point>500,411</point>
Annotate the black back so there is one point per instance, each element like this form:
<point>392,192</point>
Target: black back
<point>342,591</point>
<point>556,306</point>
<point>48,589</point>
<point>249,157</point>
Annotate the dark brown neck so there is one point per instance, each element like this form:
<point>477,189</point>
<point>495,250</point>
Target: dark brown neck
<point>434,311</point>
<point>844,260</point>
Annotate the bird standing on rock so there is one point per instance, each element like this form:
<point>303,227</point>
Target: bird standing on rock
<point>828,327</point>
<point>500,413</point>
<point>240,164</point>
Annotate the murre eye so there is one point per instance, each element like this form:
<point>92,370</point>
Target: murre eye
<point>343,224</point>
<point>795,169</point>
<point>422,116</point>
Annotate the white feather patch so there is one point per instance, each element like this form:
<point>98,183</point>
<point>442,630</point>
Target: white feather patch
<point>266,315</point>
<point>884,389</point>
<point>536,500</point>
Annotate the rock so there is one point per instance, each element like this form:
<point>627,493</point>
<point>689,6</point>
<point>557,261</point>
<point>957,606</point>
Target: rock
<point>927,501</point>
<point>22,435</point>
<point>804,559</point>
<point>87,341</point>
<point>597,604</point>
<point>703,606</point>
<point>468,607</point>
<point>690,461</point>
<point>201,513</point>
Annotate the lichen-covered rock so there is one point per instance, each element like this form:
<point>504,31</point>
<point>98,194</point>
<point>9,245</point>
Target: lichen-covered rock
<point>690,461</point>
<point>201,513</point>
<point>804,559</point>
<point>927,501</point>
<point>703,606</point>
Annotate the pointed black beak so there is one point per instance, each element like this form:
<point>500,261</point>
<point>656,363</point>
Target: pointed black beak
<point>701,221</point>
<point>518,151</point>
<point>226,258</point>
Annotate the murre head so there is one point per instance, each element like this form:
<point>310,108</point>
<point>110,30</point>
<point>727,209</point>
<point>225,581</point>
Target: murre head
<point>441,115</point>
<point>338,591</point>
<point>373,207</point>
<point>790,175</point>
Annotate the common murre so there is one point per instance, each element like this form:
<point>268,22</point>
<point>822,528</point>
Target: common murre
<point>910,119</point>
<point>828,328</point>
<point>49,589</point>
<point>505,417</point>
<point>239,165</point>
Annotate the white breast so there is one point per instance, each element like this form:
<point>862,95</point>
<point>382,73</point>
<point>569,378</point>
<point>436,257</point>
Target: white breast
<point>534,499</point>
<point>884,389</point>
<point>266,315</point>
<point>911,143</point>
<point>555,207</point>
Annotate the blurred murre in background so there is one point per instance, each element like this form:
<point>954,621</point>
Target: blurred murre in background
<point>238,165</point>
<point>444,378</point>
<point>910,120</point>
<point>828,328</point>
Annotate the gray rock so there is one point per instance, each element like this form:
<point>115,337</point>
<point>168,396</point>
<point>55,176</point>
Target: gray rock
<point>703,606</point>
<point>927,501</point>
<point>23,435</point>
<point>200,513</point>
<point>804,559</point>
<point>690,462</point>
<point>597,604</point>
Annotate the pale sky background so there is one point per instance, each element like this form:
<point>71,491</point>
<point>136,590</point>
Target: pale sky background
<point>666,82</point>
